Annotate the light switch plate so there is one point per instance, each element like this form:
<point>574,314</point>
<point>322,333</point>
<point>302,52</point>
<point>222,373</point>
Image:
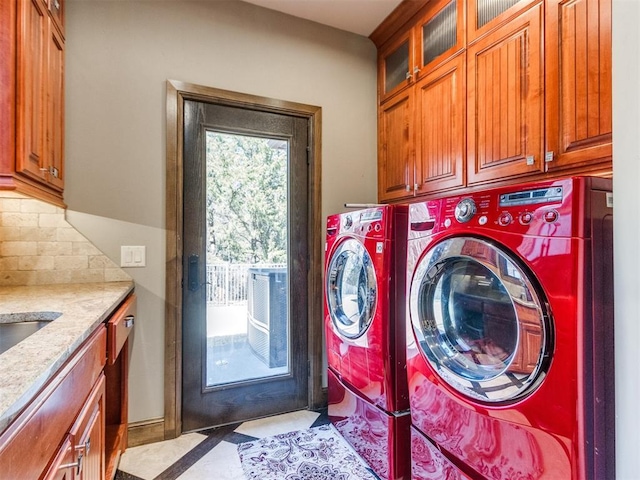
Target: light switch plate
<point>133,256</point>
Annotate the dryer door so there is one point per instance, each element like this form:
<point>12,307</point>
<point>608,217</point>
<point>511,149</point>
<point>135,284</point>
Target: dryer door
<point>479,320</point>
<point>351,289</point>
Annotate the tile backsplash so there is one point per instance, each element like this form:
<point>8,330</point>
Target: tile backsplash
<point>38,246</point>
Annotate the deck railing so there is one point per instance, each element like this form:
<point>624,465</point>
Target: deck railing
<point>227,282</point>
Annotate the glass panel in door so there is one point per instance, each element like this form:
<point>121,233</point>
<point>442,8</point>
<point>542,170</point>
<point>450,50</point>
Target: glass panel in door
<point>246,270</point>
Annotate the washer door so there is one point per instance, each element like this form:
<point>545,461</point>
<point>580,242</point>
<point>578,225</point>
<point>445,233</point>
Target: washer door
<point>478,320</point>
<point>351,289</point>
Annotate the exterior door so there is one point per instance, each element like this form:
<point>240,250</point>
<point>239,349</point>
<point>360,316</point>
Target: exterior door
<point>245,264</point>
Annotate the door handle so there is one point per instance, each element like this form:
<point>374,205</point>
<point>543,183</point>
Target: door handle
<point>193,270</point>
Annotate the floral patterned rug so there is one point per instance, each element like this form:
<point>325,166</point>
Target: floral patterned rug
<point>317,453</point>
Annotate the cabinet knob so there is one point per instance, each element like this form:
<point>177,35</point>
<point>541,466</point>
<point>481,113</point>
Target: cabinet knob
<point>408,187</point>
<point>408,76</point>
<point>548,157</point>
<point>128,321</point>
<point>416,69</point>
<point>56,4</point>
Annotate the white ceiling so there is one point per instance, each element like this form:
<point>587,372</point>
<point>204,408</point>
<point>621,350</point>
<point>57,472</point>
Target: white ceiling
<point>357,16</point>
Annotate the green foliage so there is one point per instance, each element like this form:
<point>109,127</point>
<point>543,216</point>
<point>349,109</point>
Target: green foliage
<point>246,199</point>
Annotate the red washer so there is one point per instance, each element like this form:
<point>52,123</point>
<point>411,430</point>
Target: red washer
<point>365,275</point>
<point>510,331</point>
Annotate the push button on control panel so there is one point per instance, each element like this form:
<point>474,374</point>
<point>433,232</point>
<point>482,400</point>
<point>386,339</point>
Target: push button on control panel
<point>526,218</point>
<point>550,216</point>
<point>505,219</point>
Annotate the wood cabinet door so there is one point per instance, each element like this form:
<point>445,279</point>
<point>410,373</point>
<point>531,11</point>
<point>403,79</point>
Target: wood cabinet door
<point>440,127</point>
<point>55,110</point>
<point>396,148</point>
<point>485,15</point>
<point>33,26</point>
<point>505,101</point>
<point>56,7</point>
<point>88,433</point>
<point>440,34</point>
<point>63,466</point>
<point>578,83</point>
<point>396,65</point>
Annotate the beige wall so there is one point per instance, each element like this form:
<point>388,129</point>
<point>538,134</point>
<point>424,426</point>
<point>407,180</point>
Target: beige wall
<point>118,57</point>
<point>626,226</point>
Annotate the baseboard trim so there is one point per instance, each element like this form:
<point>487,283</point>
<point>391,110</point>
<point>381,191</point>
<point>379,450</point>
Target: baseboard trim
<point>147,431</point>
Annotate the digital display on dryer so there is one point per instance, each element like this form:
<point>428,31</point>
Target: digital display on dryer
<point>528,197</point>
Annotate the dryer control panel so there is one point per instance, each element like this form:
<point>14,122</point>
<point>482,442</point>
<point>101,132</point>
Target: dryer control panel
<point>541,209</point>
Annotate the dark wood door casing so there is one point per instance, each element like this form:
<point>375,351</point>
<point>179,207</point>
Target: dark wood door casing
<point>177,94</point>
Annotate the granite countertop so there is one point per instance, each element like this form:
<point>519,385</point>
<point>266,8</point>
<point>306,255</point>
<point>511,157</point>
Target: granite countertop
<point>27,366</point>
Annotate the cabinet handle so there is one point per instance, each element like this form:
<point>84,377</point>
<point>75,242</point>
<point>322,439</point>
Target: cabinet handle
<point>415,187</point>
<point>56,4</point>
<point>531,160</point>
<point>128,321</point>
<point>408,187</point>
<point>408,76</point>
<point>548,157</point>
<point>77,465</point>
<point>416,69</point>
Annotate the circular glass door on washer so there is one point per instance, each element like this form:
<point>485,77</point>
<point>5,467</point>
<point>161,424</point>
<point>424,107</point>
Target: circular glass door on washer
<point>510,333</point>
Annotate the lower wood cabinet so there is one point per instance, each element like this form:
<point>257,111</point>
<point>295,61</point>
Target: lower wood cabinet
<point>75,427</point>
<point>63,465</point>
<point>38,436</point>
<point>116,371</point>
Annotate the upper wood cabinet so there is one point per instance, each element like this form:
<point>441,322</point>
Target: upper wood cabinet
<point>421,115</point>
<point>396,169</point>
<point>440,127</point>
<point>56,9</point>
<point>578,80</point>
<point>485,15</point>
<point>32,98</point>
<point>505,100</point>
<point>436,36</point>
<point>439,34</point>
<point>493,91</point>
<point>396,62</point>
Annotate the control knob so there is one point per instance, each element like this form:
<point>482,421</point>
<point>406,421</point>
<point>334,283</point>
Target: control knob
<point>348,221</point>
<point>465,210</point>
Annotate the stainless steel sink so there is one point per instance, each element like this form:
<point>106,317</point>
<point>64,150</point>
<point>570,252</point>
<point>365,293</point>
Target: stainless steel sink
<point>15,327</point>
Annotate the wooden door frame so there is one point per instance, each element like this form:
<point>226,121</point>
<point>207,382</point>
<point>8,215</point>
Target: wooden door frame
<point>177,93</point>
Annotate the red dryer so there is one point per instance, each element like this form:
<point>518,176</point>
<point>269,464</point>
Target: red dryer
<point>510,332</point>
<point>365,278</point>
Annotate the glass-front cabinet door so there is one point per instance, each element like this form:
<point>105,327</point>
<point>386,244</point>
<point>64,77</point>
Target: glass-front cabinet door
<point>395,63</point>
<point>485,15</point>
<point>441,34</point>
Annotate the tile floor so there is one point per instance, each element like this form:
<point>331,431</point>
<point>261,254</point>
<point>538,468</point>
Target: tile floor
<point>210,454</point>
